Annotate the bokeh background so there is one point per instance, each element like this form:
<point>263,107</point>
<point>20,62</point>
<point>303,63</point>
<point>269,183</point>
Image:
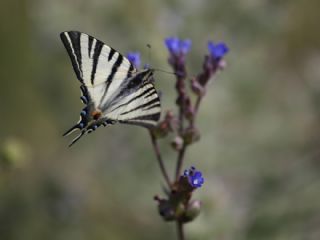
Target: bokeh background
<point>260,122</point>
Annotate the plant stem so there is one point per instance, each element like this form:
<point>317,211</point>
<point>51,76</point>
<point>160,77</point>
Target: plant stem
<point>197,104</point>
<point>180,161</point>
<point>196,108</point>
<point>180,87</point>
<point>180,230</point>
<point>181,92</point>
<point>159,158</point>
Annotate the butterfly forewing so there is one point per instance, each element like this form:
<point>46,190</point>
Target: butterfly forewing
<point>112,89</point>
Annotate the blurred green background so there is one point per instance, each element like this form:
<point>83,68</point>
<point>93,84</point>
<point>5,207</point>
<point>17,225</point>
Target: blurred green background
<point>260,122</point>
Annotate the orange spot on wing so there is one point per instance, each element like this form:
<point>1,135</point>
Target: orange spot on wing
<point>96,114</point>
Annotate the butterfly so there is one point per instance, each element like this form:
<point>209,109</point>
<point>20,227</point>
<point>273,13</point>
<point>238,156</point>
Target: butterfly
<point>113,90</point>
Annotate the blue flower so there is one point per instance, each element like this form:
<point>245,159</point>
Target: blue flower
<point>177,46</point>
<point>218,50</point>
<point>134,58</point>
<point>194,177</point>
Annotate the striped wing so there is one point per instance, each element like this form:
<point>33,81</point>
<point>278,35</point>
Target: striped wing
<point>93,61</point>
<point>110,86</point>
<point>100,68</point>
<point>141,107</point>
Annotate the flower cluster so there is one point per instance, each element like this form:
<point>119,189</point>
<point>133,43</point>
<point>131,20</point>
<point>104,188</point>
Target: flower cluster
<point>180,126</point>
<point>217,51</point>
<point>194,177</point>
<point>178,50</point>
<point>212,63</point>
<point>177,46</point>
<point>178,205</point>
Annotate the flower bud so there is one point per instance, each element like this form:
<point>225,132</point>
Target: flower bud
<point>165,209</point>
<point>177,143</point>
<point>222,64</point>
<point>189,111</point>
<point>197,88</point>
<point>134,58</point>
<point>161,130</point>
<point>191,135</point>
<point>192,211</point>
<point>171,120</point>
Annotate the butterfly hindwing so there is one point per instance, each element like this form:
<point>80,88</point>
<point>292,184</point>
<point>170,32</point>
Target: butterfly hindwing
<point>141,107</point>
<point>112,89</point>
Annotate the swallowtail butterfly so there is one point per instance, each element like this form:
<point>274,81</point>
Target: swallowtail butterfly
<point>113,90</point>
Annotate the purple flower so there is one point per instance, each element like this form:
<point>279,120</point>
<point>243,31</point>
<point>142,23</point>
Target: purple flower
<point>194,177</point>
<point>134,58</point>
<point>218,50</point>
<point>177,46</point>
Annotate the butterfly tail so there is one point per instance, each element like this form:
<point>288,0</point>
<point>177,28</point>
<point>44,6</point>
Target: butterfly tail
<point>77,138</point>
<point>72,129</point>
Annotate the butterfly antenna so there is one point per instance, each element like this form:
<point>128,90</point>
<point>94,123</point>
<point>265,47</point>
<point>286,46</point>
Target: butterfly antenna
<point>156,69</point>
<point>149,51</point>
<point>164,71</point>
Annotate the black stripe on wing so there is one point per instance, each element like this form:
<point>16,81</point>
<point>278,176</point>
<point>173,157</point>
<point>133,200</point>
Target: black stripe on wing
<point>85,98</point>
<point>112,52</point>
<point>90,42</point>
<point>146,111</point>
<point>130,71</point>
<point>133,83</point>
<point>115,67</point>
<point>147,93</point>
<point>71,41</point>
<point>96,55</point>
<point>147,121</point>
<point>148,105</point>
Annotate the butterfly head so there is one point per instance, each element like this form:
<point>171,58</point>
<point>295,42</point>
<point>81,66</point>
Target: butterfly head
<point>145,75</point>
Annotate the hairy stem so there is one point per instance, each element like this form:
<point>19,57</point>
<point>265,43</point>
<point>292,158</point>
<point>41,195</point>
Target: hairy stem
<point>180,87</point>
<point>181,92</point>
<point>197,104</point>
<point>180,230</point>
<point>159,158</point>
<point>196,108</point>
<point>180,161</point>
